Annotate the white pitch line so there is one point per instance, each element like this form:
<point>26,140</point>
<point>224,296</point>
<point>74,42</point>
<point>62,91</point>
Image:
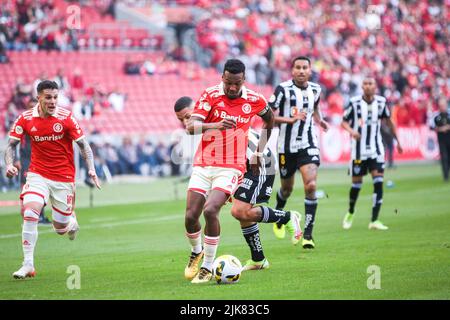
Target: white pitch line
<point>105,225</point>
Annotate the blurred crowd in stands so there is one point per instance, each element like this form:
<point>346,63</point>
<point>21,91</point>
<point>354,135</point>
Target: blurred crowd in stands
<point>404,44</point>
<point>84,99</point>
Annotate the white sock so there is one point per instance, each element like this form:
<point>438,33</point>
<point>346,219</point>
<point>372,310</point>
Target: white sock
<point>195,239</point>
<point>29,239</point>
<point>211,244</point>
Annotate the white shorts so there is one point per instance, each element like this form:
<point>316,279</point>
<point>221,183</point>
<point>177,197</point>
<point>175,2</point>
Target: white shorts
<point>205,179</point>
<point>61,195</point>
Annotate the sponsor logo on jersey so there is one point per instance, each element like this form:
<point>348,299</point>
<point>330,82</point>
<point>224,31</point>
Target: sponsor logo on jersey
<point>19,130</point>
<point>313,152</point>
<point>57,127</point>
<point>224,115</point>
<point>33,129</point>
<point>221,104</point>
<point>47,138</point>
<point>246,108</point>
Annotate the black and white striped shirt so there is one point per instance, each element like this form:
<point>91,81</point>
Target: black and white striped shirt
<point>267,161</point>
<point>290,100</point>
<point>365,119</point>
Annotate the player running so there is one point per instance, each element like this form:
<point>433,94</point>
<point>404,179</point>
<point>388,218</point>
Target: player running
<point>362,119</point>
<point>297,102</point>
<point>223,114</point>
<point>254,189</point>
<point>51,174</point>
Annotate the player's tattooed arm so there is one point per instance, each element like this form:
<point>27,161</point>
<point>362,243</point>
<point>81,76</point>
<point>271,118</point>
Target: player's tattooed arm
<point>88,156</point>
<point>318,116</point>
<point>10,152</point>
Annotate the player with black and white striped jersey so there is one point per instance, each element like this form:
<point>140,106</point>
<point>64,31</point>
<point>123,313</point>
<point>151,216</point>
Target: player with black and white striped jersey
<point>362,119</point>
<point>297,104</point>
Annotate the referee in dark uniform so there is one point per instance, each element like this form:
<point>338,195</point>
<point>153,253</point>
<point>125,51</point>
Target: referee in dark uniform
<point>441,124</point>
<point>297,105</point>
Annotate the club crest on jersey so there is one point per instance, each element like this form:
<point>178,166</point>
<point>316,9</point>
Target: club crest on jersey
<point>57,127</point>
<point>19,130</point>
<point>246,108</point>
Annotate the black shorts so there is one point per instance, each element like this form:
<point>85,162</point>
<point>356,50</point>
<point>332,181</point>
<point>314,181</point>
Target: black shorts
<point>289,163</point>
<point>255,189</point>
<point>362,167</point>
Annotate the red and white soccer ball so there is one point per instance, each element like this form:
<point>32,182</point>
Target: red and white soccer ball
<point>227,269</point>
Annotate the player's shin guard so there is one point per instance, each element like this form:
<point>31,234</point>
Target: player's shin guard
<point>29,235</point>
<point>377,197</point>
<point>270,215</point>
<point>195,240</point>
<point>310,216</point>
<point>251,235</point>
<point>354,192</point>
<point>211,244</point>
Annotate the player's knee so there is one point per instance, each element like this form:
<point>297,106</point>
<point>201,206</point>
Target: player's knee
<point>191,218</point>
<point>286,191</point>
<point>211,211</point>
<point>239,213</point>
<point>60,228</point>
<point>310,187</point>
<point>30,214</point>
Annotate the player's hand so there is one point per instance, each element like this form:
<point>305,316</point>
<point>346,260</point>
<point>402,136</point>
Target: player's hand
<point>93,176</point>
<point>11,171</point>
<point>399,148</point>
<point>227,124</point>
<point>255,164</point>
<point>324,125</point>
<point>355,135</point>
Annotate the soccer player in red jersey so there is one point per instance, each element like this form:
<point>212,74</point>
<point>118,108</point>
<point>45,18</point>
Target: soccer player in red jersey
<point>223,114</point>
<point>51,175</point>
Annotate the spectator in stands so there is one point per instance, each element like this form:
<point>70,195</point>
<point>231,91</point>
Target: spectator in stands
<point>131,67</point>
<point>83,108</point>
<point>11,115</point>
<point>77,79</point>
<point>128,157</point>
<point>109,153</point>
<point>117,99</point>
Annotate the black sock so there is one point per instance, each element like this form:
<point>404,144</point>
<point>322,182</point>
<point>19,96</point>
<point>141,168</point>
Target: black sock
<point>281,202</point>
<point>377,197</point>
<point>354,192</point>
<point>251,235</point>
<point>273,215</point>
<point>310,216</point>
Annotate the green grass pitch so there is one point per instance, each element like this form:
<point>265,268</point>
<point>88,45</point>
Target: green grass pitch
<point>132,246</point>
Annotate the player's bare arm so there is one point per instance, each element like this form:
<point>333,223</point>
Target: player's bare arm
<point>279,119</point>
<point>88,156</point>
<point>195,125</point>
<point>391,126</point>
<point>11,170</point>
<point>318,117</point>
<point>346,126</point>
<point>268,123</point>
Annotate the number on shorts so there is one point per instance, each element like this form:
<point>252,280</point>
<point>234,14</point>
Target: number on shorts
<point>234,179</point>
<point>69,200</point>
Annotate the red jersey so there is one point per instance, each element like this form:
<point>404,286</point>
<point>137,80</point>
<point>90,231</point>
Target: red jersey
<point>51,142</point>
<point>226,148</point>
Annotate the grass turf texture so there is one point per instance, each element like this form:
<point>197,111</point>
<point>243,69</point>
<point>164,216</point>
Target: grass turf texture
<point>139,251</point>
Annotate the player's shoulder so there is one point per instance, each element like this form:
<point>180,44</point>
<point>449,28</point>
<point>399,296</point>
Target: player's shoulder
<point>380,99</point>
<point>27,115</point>
<point>314,85</point>
<point>286,84</point>
<point>62,113</point>
<point>213,91</point>
<point>356,99</point>
<point>254,96</point>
